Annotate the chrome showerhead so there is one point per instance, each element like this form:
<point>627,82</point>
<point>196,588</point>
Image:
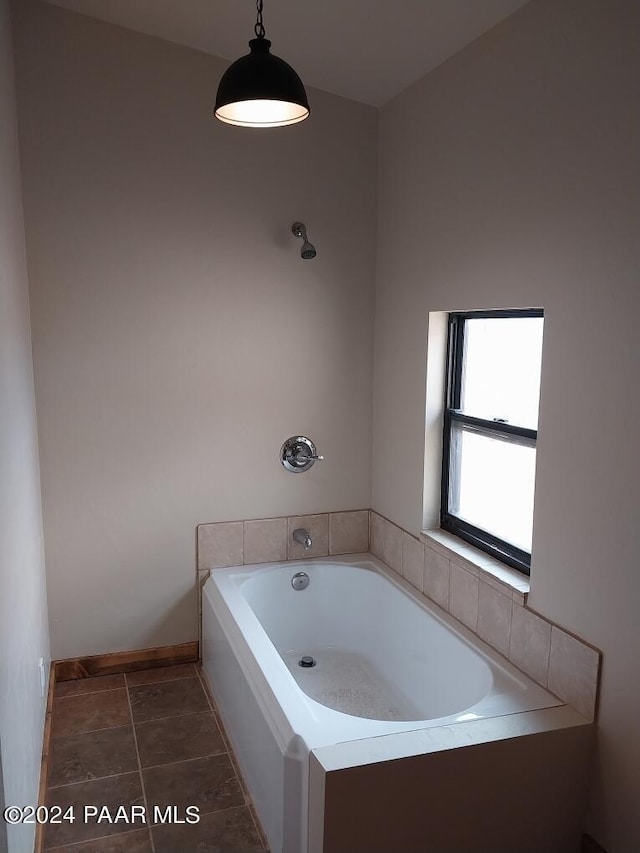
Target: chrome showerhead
<point>308,250</point>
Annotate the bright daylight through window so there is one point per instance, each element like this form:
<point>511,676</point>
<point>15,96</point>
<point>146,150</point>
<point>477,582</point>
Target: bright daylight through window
<point>490,431</point>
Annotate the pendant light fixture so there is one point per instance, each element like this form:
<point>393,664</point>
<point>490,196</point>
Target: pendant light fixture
<point>260,89</point>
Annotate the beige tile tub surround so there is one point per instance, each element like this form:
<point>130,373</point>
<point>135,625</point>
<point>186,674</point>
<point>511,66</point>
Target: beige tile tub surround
<point>220,545</point>
<point>496,574</point>
<point>490,600</point>
<point>392,545</point>
<point>376,534</point>
<point>487,597</point>
<point>573,671</point>
<point>265,541</point>
<point>463,596</point>
<point>413,560</point>
<point>436,577</point>
<point>530,644</point>
<point>349,532</point>
<point>270,540</point>
<point>494,618</point>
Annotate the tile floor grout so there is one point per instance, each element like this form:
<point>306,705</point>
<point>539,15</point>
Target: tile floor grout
<point>186,760</point>
<point>226,751</point>
<point>59,698</point>
<point>232,757</point>
<point>125,680</point>
<point>94,778</point>
<point>110,689</point>
<point>71,845</point>
<point>135,742</point>
<point>127,675</point>
<point>170,716</point>
<point>150,767</point>
<point>88,732</point>
<point>92,732</point>
<point>139,723</point>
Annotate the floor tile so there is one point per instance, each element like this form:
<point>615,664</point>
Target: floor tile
<point>129,842</point>
<point>92,755</point>
<point>96,684</point>
<point>75,714</point>
<point>169,699</point>
<point>164,673</point>
<point>124,790</point>
<point>208,783</point>
<point>230,831</point>
<point>178,738</point>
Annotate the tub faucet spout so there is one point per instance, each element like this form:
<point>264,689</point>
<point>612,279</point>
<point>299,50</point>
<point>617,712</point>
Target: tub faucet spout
<point>303,537</point>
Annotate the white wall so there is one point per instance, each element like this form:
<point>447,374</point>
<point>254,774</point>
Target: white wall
<point>179,338</point>
<point>3,827</point>
<point>23,609</point>
<point>509,177</point>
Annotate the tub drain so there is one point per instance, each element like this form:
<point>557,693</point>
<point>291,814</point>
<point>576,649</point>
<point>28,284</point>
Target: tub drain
<point>306,661</point>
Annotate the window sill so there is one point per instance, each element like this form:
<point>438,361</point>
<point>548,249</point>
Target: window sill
<point>479,563</point>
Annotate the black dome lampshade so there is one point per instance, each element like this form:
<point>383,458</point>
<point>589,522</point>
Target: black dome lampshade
<point>260,89</point>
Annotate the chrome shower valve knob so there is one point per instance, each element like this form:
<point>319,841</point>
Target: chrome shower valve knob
<point>298,454</point>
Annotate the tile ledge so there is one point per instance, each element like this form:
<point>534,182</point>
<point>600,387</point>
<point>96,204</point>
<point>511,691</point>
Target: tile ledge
<point>451,546</point>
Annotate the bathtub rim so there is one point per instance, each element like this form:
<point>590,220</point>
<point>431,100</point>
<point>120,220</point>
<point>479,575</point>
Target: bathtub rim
<point>229,581</point>
<point>367,749</point>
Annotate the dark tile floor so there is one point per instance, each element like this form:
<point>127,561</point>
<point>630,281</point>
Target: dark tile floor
<point>147,739</point>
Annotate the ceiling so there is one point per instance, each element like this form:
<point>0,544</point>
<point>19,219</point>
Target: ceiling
<point>368,50</point>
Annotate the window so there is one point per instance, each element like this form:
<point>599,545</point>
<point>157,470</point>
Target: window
<point>490,431</point>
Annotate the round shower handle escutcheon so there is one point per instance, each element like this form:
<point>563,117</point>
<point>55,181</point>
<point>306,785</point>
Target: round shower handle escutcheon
<point>298,454</point>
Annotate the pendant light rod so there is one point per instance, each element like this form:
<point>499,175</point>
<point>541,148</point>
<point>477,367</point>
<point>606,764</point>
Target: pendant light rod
<point>260,89</point>
<point>259,27</point>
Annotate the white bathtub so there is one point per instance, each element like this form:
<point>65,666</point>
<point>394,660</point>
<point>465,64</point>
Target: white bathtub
<point>385,663</point>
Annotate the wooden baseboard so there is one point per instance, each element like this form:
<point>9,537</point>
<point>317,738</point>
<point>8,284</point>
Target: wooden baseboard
<point>38,846</point>
<point>108,664</point>
<point>113,662</point>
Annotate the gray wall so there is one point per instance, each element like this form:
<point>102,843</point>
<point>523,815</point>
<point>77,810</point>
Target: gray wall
<point>179,338</point>
<point>23,610</point>
<point>3,826</point>
<point>509,177</point>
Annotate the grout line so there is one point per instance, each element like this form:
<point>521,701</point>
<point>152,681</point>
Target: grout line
<point>254,820</point>
<point>76,844</point>
<point>93,693</point>
<point>89,731</point>
<point>214,711</point>
<point>154,683</point>
<point>127,772</point>
<point>232,757</point>
<point>93,779</point>
<point>187,760</point>
<point>236,768</point>
<point>144,793</point>
<point>169,717</point>
<point>259,830</point>
<point>134,722</point>
<point>93,731</point>
<point>58,697</point>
